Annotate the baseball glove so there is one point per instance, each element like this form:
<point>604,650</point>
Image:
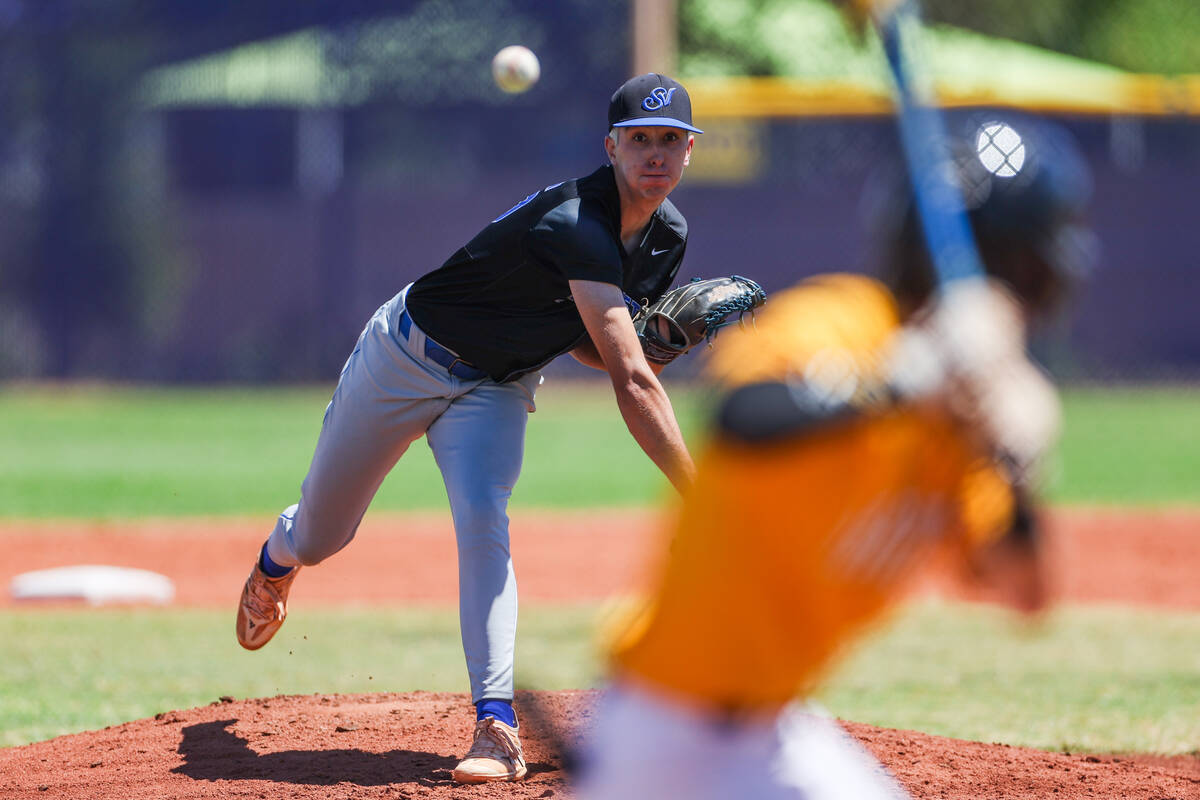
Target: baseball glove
<point>692,313</point>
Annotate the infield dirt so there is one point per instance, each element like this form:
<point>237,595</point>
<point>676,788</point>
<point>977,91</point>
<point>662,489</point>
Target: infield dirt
<point>404,745</point>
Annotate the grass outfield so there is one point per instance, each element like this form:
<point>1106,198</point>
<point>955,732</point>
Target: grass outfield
<point>1090,680</point>
<point>122,452</point>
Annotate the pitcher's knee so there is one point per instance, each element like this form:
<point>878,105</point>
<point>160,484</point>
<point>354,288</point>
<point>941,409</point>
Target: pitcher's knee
<point>310,552</point>
<point>310,556</point>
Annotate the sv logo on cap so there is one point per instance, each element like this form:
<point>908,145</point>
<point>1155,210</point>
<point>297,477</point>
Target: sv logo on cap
<point>659,98</point>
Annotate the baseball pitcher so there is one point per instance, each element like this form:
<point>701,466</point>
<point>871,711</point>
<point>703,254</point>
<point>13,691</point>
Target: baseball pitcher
<point>583,267</point>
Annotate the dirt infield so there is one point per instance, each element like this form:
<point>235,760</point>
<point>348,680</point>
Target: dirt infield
<point>1096,556</point>
<point>403,746</point>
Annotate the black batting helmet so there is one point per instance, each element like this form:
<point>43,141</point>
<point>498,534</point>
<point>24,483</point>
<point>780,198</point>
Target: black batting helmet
<point>1025,187</point>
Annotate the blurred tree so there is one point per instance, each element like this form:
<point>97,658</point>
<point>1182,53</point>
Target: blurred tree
<point>1158,36</point>
<point>1147,36</point>
<point>732,37</point>
<point>723,38</point>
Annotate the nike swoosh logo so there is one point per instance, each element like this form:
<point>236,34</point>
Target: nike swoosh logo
<point>659,252</point>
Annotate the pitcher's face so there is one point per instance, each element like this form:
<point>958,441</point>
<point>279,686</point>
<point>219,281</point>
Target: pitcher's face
<point>649,160</point>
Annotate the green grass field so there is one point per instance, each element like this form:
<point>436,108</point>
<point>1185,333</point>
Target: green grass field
<point>112,453</point>
<point>1096,680</point>
<point>1091,680</point>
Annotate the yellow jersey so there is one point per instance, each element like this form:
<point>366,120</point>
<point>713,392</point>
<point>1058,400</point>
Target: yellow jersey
<point>784,551</point>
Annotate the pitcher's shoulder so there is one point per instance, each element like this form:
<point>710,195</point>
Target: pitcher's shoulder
<point>672,218</point>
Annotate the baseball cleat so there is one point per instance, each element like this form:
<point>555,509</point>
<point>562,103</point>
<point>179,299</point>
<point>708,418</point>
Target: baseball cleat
<point>263,607</point>
<point>495,755</point>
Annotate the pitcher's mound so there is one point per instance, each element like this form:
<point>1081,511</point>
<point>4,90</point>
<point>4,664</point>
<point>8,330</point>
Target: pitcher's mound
<point>404,746</point>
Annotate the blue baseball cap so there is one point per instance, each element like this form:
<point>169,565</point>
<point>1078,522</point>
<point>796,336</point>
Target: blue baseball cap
<point>651,99</point>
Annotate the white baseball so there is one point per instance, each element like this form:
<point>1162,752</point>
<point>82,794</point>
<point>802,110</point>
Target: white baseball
<point>515,68</point>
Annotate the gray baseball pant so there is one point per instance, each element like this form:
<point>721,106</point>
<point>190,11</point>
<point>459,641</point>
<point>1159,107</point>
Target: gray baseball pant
<point>388,395</point>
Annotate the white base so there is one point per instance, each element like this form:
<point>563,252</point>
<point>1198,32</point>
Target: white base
<point>94,584</point>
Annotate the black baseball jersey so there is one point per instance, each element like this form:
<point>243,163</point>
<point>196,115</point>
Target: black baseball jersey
<point>503,303</point>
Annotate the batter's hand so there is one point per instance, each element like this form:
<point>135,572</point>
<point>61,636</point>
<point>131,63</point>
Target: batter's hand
<point>969,349</point>
<point>1012,571</point>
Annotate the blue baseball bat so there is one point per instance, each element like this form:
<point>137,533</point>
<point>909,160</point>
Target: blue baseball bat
<point>940,208</point>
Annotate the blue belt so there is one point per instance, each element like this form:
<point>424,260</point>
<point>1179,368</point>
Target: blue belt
<point>440,355</point>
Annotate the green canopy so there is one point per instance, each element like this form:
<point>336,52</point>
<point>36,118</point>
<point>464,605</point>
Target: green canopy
<point>826,68</point>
